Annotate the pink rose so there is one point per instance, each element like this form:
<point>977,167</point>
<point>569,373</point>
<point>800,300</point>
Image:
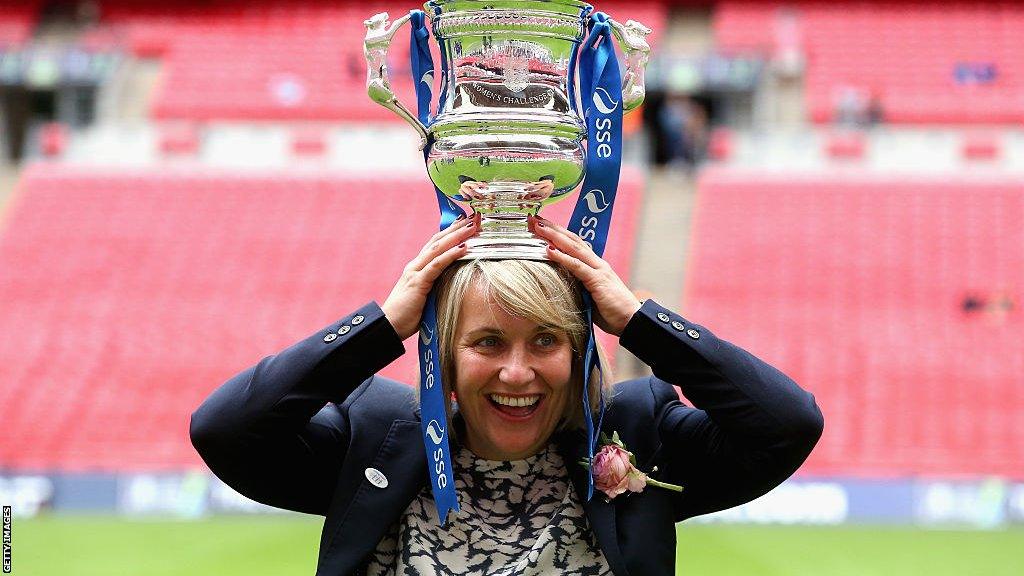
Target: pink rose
<point>614,473</point>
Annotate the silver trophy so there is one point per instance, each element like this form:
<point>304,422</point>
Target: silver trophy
<point>508,137</point>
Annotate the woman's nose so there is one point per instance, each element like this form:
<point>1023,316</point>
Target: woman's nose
<point>516,369</point>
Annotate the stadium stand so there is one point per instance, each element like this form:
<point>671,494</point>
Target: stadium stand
<point>274,60</point>
<point>129,296</point>
<point>924,62</point>
<point>896,301</point>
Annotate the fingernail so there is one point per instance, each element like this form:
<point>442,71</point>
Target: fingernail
<point>470,224</point>
<point>461,216</point>
<point>463,245</point>
<point>541,224</point>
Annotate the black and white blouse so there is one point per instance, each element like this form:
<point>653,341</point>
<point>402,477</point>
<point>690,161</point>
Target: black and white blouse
<point>517,518</point>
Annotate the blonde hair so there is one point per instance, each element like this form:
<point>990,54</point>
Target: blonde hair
<point>539,291</point>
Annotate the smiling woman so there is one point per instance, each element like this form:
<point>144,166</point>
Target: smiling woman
<point>313,429</point>
<point>512,336</point>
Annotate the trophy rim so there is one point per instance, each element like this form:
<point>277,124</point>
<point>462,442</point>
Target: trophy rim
<point>585,7</point>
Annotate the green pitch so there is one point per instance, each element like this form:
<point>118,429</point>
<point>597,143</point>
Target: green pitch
<point>283,546</point>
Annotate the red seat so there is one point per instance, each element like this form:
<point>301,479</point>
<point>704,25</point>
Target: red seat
<point>720,144</point>
<point>53,139</point>
<point>980,147</point>
<point>309,142</point>
<point>846,146</point>
<point>179,139</point>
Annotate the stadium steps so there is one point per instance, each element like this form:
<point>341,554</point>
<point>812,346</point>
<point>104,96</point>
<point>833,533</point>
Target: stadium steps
<point>659,257</point>
<point>133,91</point>
<point>8,182</point>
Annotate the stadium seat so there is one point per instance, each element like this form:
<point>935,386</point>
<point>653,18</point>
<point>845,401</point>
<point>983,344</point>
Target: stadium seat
<point>309,142</point>
<point>980,147</point>
<point>178,139</point>
<point>53,139</point>
<point>720,144</point>
<point>845,146</point>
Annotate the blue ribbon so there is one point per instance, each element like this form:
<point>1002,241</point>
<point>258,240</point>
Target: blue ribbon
<point>433,416</point>
<point>422,67</point>
<point>601,93</point>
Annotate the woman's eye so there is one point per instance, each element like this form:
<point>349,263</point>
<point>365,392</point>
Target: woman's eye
<point>488,342</point>
<point>546,340</point>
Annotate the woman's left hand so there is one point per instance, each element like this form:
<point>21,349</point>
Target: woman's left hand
<point>614,302</point>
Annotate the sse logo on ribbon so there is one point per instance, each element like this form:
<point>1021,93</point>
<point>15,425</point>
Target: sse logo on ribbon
<point>596,202</point>
<point>426,335</point>
<point>435,432</point>
<point>601,101</point>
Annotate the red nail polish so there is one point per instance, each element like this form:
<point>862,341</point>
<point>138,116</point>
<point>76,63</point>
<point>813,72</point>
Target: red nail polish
<point>463,245</point>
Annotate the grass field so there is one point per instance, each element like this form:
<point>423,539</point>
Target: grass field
<point>284,546</point>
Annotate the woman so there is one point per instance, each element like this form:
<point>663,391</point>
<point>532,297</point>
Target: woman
<point>312,429</point>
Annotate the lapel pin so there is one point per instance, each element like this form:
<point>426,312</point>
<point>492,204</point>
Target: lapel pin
<point>376,477</point>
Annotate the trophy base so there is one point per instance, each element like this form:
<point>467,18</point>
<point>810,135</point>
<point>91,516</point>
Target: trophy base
<point>503,247</point>
<point>504,233</point>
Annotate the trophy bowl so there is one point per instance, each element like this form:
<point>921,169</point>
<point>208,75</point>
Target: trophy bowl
<point>508,134</point>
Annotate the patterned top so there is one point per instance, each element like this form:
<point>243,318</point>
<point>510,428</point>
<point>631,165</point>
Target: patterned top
<point>518,518</point>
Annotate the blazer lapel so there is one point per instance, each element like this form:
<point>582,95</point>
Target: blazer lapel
<point>600,512</point>
<point>373,509</point>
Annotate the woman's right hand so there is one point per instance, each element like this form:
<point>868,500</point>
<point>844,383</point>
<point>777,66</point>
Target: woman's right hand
<point>404,305</point>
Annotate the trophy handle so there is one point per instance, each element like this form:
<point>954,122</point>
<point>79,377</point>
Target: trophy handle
<point>633,39</point>
<point>375,47</point>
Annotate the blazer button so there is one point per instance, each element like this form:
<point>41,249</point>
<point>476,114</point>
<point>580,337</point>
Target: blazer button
<point>330,337</point>
<point>693,333</point>
<point>663,317</point>
<point>357,320</point>
<point>344,330</point>
<point>678,326</point>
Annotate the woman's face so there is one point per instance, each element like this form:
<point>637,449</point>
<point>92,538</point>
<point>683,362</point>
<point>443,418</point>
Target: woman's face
<point>512,379</point>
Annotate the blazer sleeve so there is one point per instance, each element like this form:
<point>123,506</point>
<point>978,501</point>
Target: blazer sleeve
<point>750,428</point>
<point>277,432</point>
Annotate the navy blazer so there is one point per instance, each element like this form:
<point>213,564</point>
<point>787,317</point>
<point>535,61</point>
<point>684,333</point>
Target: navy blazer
<point>299,429</point>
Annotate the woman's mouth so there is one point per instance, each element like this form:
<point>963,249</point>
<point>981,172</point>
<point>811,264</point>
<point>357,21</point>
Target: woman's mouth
<point>515,406</point>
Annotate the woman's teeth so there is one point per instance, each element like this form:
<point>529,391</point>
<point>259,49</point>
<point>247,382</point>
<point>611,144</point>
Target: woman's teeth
<point>514,401</point>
